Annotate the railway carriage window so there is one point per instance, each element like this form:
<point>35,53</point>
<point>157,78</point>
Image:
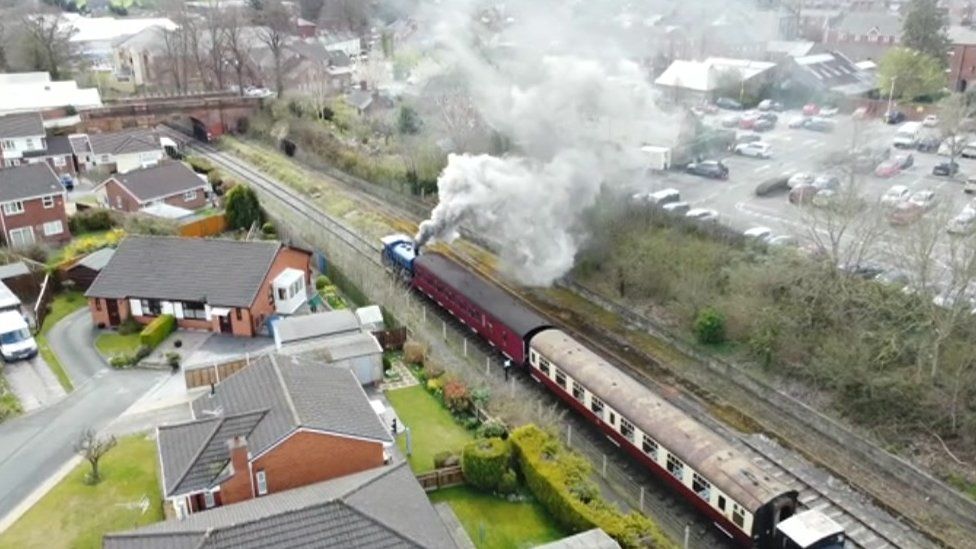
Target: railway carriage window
<point>596,405</point>
<point>544,365</point>
<point>738,515</point>
<point>676,467</point>
<point>701,486</point>
<point>560,378</point>
<point>613,419</point>
<point>627,429</point>
<point>650,447</point>
<point>578,392</point>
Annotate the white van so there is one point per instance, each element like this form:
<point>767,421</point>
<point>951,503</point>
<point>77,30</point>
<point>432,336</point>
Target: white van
<point>16,341</point>
<point>907,135</point>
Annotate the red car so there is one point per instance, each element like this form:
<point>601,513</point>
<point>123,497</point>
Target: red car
<point>888,168</point>
<point>811,109</point>
<point>748,121</point>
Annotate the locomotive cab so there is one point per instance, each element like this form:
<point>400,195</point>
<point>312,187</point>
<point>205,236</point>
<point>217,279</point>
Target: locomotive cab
<point>809,530</point>
<point>399,252</point>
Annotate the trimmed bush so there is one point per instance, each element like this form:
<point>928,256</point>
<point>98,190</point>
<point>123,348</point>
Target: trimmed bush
<point>432,369</point>
<point>121,361</point>
<point>493,429</point>
<point>435,384</point>
<point>156,331</point>
<point>710,326</point>
<point>508,484</point>
<point>446,458</point>
<point>387,363</point>
<point>268,228</point>
<point>485,461</point>
<point>559,480</point>
<point>200,164</point>
<point>129,326</point>
<point>456,397</point>
<point>321,282</point>
<point>96,219</point>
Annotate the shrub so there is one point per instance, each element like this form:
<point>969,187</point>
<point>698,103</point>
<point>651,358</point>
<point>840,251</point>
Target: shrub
<point>446,458</point>
<point>710,326</point>
<point>173,359</point>
<point>435,384</point>
<point>215,178</point>
<point>559,480</point>
<point>95,219</point>
<point>456,397</point>
<point>200,164</point>
<point>129,326</point>
<point>508,484</point>
<point>433,369</point>
<point>142,352</point>
<point>121,361</point>
<point>156,331</point>
<point>480,396</point>
<point>493,429</point>
<point>485,461</point>
<point>321,282</point>
<point>268,228</point>
<point>242,207</point>
<point>150,225</point>
<point>387,363</point>
<point>413,352</point>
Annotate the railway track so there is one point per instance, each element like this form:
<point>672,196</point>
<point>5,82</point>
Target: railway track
<point>862,532</point>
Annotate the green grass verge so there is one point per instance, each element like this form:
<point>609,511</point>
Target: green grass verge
<point>111,344</point>
<point>74,514</point>
<point>62,305</point>
<point>432,428</point>
<point>9,405</point>
<point>494,522</point>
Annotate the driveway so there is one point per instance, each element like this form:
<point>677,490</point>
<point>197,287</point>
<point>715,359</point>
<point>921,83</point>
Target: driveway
<point>33,383</point>
<point>222,348</point>
<point>36,445</point>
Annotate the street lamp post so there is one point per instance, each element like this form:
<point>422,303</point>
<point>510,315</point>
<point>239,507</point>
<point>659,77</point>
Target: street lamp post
<point>891,93</point>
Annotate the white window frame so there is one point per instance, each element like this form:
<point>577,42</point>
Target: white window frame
<point>27,230</point>
<point>190,195</point>
<point>261,479</point>
<point>626,425</point>
<point>208,499</point>
<point>706,492</point>
<point>13,208</point>
<point>48,201</point>
<point>49,228</point>
<point>59,161</point>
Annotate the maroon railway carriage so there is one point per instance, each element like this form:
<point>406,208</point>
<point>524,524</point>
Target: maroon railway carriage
<point>486,309</point>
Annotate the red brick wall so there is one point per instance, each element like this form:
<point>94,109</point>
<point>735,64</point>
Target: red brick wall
<point>101,316</point>
<point>306,458</point>
<point>118,198</point>
<point>962,67</point>
<point>238,487</point>
<point>35,215</point>
<point>177,200</point>
<point>287,258</point>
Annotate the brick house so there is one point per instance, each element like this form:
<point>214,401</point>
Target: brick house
<point>382,507</point>
<point>32,202</point>
<point>20,134</point>
<point>225,286</point>
<point>173,183</point>
<point>125,150</point>
<point>281,423</point>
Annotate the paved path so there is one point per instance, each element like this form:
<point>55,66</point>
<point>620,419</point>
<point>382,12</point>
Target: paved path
<point>33,382</point>
<point>36,445</point>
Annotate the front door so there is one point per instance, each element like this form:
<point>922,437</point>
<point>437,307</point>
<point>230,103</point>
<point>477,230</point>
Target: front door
<point>225,327</point>
<point>112,306</point>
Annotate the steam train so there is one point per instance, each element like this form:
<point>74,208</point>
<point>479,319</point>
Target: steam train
<point>722,483</point>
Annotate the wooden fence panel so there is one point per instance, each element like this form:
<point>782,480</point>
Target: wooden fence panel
<point>207,226</point>
<point>441,478</point>
<point>215,373</point>
<point>392,340</point>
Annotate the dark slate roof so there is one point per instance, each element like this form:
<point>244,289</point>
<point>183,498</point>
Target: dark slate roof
<point>57,145</point>
<point>488,297</point>
<point>79,143</point>
<point>12,270</point>
<point>30,181</point>
<point>25,124</point>
<point>226,273</point>
<point>124,142</point>
<point>96,260</point>
<point>264,403</point>
<point>379,508</point>
<point>160,181</point>
<point>861,23</point>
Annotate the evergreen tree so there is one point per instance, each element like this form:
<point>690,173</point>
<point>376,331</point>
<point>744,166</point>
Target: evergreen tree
<point>242,207</point>
<point>925,29</point>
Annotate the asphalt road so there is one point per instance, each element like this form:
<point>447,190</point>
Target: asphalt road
<point>36,445</point>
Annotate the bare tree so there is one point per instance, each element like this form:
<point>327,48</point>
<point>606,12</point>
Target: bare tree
<point>955,304</point>
<point>953,124</point>
<point>275,23</point>
<point>92,448</point>
<point>172,47</point>
<point>460,117</point>
<point>49,37</point>
<point>235,48</point>
<point>216,37</point>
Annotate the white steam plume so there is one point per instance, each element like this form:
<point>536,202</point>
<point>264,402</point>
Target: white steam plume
<point>577,110</point>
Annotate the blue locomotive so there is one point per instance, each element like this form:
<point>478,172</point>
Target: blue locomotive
<point>399,253</point>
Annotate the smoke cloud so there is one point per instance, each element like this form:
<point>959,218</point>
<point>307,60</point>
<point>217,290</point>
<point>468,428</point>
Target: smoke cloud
<point>576,107</point>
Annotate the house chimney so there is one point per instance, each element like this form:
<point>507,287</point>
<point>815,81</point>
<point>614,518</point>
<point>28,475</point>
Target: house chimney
<point>237,447</point>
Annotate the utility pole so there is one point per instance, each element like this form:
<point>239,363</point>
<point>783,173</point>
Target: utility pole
<point>891,94</point>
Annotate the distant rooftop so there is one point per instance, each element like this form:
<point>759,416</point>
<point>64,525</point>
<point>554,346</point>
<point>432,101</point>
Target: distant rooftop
<point>92,29</point>
<point>23,92</point>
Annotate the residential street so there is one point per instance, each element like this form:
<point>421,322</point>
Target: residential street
<point>36,445</point>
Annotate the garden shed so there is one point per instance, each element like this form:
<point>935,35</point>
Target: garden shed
<point>360,353</point>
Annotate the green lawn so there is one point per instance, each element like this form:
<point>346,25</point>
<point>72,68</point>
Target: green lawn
<point>432,428</point>
<point>76,515</point>
<point>111,344</point>
<point>495,522</point>
<point>62,305</point>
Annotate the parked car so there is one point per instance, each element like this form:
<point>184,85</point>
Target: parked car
<point>946,169</point>
<point>888,168</point>
<point>714,169</point>
<point>782,240</point>
<point>905,213</point>
<point>797,122</point>
<point>702,214</point>
<point>800,178</point>
<point>924,199</point>
<point>824,199</point>
<point>763,125</point>
<point>827,112</point>
<point>748,120</point>
<point>904,160</point>
<point>894,117</point>
<point>893,277</point>
<point>969,150</point>
<point>758,234</point>
<point>811,109</point>
<point>866,271</point>
<point>826,181</point>
<point>662,197</point>
<point>818,124</point>
<point>746,137</point>
<point>728,103</point>
<point>769,105</point>
<point>964,223</point>
<point>803,194</point>
<point>773,184</point>
<point>756,149</point>
<point>730,121</point>
<point>676,208</point>
<point>67,182</point>
<point>970,186</point>
<point>895,195</point>
<point>928,144</point>
<point>930,121</point>
<point>771,116</point>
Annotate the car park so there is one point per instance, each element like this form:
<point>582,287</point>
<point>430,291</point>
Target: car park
<point>964,223</point>
<point>826,181</point>
<point>728,103</point>
<point>894,117</point>
<point>747,137</point>
<point>969,150</point>
<point>888,168</point>
<point>748,120</point>
<point>895,195</point>
<point>713,169</point>
<point>957,142</point>
<point>907,135</point>
<point>946,169</point>
<point>676,208</point>
<point>763,125</point>
<point>797,122</point>
<point>811,109</point>
<point>730,121</point>
<point>702,214</point>
<point>800,178</point>
<point>758,234</point>
<point>930,121</point>
<point>756,149</point>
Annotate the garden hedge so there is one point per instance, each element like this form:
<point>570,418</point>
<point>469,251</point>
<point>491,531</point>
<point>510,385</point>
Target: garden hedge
<point>559,478</point>
<point>156,331</point>
<point>200,164</point>
<point>485,461</point>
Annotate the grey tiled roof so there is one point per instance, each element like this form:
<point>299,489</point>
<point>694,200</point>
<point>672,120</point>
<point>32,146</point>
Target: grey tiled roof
<point>79,143</point>
<point>25,124</point>
<point>11,270</point>
<point>30,181</point>
<point>225,273</point>
<point>861,22</point>
<point>160,181</point>
<point>381,507</point>
<point>124,142</point>
<point>289,393</point>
